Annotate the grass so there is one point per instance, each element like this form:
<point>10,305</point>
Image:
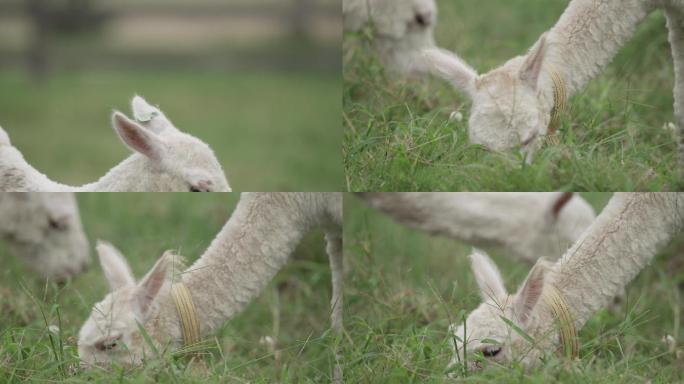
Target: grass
<point>405,287</point>
<point>402,288</point>
<point>293,309</point>
<point>398,135</point>
<point>271,131</point>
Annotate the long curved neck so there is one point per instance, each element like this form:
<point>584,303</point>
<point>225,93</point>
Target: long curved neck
<point>250,249</point>
<point>588,36</point>
<point>16,174</point>
<point>620,243</point>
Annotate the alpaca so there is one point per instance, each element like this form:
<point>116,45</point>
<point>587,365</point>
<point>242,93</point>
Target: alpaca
<point>519,103</point>
<point>165,159</point>
<point>403,28</point>
<point>609,254</point>
<point>44,230</point>
<point>523,225</point>
<point>253,245</point>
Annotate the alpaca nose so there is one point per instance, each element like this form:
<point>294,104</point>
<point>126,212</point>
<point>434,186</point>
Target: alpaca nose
<point>423,18</point>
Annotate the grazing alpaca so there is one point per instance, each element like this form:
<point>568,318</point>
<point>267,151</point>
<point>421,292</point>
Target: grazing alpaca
<point>403,29</point>
<point>252,246</point>
<point>523,225</point>
<point>518,104</point>
<point>609,254</point>
<point>165,159</point>
<point>44,230</point>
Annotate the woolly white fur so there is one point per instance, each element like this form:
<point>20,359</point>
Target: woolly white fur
<point>164,159</point>
<point>521,225</point>
<point>512,104</point>
<point>253,245</point>
<point>45,231</point>
<point>624,238</point>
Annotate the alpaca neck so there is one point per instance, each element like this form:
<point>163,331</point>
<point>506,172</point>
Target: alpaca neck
<point>17,175</point>
<point>247,253</point>
<point>588,36</point>
<point>611,252</point>
<point>126,176</point>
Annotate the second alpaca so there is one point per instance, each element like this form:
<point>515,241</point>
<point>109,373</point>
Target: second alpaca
<point>164,159</point>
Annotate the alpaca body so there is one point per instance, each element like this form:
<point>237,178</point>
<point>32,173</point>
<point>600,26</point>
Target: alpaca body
<point>45,231</point>
<point>164,159</point>
<point>403,29</point>
<point>610,253</point>
<point>523,225</point>
<point>253,245</point>
<point>513,104</point>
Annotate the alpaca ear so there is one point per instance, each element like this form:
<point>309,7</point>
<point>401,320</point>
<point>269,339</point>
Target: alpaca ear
<point>151,284</point>
<point>149,116</point>
<point>114,265</point>
<point>142,110</point>
<point>531,69</point>
<point>451,68</point>
<point>487,276</point>
<point>137,137</point>
<point>528,295</point>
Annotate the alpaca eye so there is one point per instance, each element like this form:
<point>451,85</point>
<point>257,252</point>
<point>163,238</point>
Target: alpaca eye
<point>491,350</point>
<point>108,343</point>
<point>421,20</point>
<point>58,224</point>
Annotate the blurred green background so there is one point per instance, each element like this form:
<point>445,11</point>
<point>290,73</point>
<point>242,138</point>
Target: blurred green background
<point>257,80</point>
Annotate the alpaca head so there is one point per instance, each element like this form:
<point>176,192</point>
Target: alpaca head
<point>402,30</point>
<point>44,229</point>
<point>509,110</point>
<point>112,332</point>
<point>488,338</point>
<point>172,160</point>
<point>408,19</point>
<point>392,19</point>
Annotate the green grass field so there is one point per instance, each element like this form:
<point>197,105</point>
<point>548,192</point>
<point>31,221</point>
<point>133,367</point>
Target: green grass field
<point>405,286</point>
<point>401,288</point>
<point>293,309</point>
<point>270,131</point>
<point>398,137</point>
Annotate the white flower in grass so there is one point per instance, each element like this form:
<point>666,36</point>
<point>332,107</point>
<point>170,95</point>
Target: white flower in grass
<point>455,116</point>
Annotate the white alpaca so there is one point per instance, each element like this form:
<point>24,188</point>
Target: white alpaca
<point>523,225</point>
<point>512,106</point>
<point>253,245</point>
<point>403,29</point>
<point>165,159</point>
<point>609,254</point>
<point>44,230</point>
